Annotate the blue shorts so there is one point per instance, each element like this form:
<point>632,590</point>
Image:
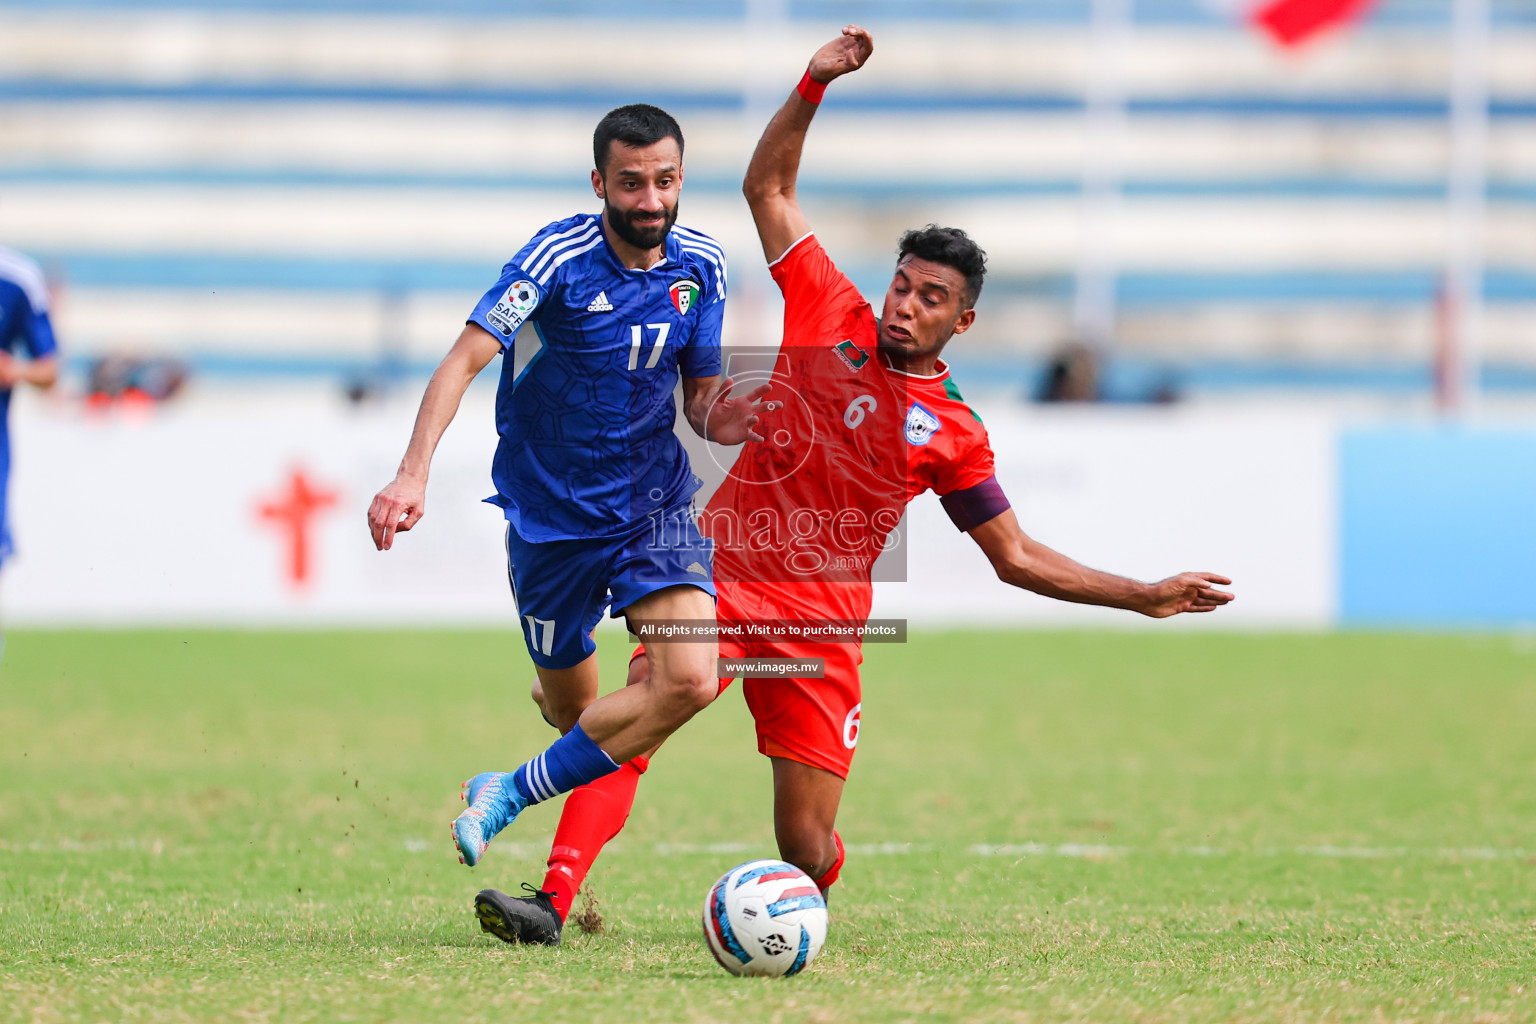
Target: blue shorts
<point>562,587</point>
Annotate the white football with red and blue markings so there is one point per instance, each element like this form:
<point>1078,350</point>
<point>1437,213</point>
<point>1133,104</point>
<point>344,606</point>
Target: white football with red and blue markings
<point>765,919</point>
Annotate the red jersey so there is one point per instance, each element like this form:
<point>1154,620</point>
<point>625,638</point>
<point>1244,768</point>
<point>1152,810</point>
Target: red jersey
<point>804,514</point>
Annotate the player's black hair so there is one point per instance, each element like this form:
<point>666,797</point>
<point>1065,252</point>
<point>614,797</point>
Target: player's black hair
<point>638,125</point>
<point>950,247</point>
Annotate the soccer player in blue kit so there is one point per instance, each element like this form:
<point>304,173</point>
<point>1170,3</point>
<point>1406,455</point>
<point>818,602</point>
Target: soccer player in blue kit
<point>28,355</point>
<point>596,318</point>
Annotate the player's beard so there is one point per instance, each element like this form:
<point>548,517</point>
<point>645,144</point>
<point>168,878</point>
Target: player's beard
<point>646,236</point>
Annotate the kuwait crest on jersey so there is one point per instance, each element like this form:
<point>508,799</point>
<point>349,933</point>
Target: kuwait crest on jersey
<point>921,424</point>
<point>685,295</point>
<point>851,354</point>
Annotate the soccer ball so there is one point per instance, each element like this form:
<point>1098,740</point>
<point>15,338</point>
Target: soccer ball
<point>765,918</point>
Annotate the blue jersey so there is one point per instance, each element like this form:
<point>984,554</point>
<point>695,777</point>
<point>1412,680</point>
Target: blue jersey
<point>591,356</point>
<point>25,332</point>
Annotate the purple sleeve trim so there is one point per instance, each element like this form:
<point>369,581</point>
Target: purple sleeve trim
<point>971,507</point>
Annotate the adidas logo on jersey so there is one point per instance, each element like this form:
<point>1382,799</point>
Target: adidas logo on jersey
<point>600,304</point>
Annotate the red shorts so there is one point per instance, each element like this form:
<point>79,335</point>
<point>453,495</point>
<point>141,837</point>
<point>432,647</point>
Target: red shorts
<point>813,721</point>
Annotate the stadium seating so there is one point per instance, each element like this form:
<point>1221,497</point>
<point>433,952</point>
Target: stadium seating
<point>309,187</point>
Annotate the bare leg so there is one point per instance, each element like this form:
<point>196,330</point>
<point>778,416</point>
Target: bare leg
<point>639,671</point>
<point>565,715</point>
<point>682,681</point>
<point>608,732</point>
<point>562,694</point>
<point>805,801</point>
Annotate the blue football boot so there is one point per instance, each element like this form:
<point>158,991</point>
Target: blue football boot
<point>494,801</point>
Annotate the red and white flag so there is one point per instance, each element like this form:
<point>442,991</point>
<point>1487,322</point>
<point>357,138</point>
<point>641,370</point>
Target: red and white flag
<point>1294,22</point>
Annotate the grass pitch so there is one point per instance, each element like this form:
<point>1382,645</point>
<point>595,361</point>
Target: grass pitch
<point>1042,827</point>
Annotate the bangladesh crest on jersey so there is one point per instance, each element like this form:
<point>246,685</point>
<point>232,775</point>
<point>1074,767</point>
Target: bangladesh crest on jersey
<point>921,424</point>
<point>851,354</point>
<point>685,295</point>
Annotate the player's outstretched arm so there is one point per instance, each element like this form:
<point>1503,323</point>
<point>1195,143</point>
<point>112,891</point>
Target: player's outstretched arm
<point>770,181</point>
<point>1025,562</point>
<point>401,504</point>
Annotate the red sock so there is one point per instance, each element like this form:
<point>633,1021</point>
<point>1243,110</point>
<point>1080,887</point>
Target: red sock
<point>592,816</point>
<point>825,881</point>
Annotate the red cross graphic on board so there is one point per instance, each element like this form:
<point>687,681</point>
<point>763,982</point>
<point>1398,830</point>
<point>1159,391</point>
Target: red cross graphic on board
<point>293,513</point>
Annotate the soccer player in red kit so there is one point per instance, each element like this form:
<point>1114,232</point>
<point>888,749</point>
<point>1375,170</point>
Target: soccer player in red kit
<point>865,417</point>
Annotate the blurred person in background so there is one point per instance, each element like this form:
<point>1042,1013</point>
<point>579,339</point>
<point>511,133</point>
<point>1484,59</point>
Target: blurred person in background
<point>132,381</point>
<point>1072,375</point>
<point>28,355</point>
<point>1075,373</point>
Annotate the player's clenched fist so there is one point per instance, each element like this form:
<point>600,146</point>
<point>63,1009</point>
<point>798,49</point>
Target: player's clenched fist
<point>846,53</point>
<point>397,507</point>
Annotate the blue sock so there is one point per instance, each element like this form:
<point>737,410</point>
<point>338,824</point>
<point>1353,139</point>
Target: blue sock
<point>572,760</point>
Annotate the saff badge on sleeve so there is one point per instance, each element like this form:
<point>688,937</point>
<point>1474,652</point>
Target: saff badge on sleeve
<point>521,298</point>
